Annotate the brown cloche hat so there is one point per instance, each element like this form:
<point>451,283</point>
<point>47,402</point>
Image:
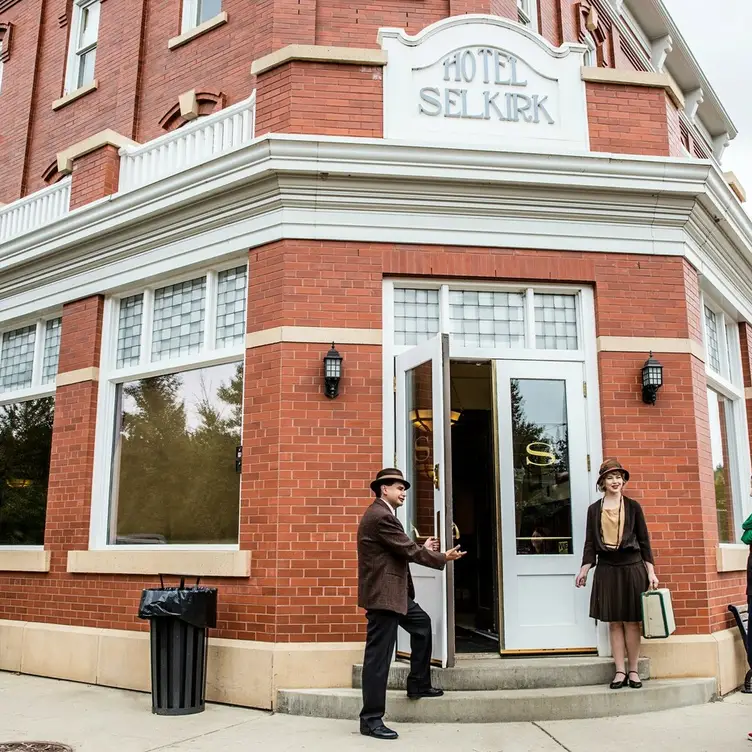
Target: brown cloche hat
<point>388,474</point>
<point>611,465</point>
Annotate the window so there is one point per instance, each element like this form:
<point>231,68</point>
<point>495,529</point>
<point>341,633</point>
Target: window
<point>488,318</point>
<point>727,419</point>
<point>28,367</point>
<point>196,12</point>
<point>83,44</point>
<point>172,413</point>
<point>527,13</point>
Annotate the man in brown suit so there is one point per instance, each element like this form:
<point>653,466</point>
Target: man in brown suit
<point>385,590</point>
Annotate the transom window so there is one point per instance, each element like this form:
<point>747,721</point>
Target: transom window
<point>488,318</point>
<point>82,50</point>
<point>28,367</point>
<point>726,418</point>
<point>171,413</point>
<point>196,12</point>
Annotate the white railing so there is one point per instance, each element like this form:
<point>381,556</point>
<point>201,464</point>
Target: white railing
<point>35,210</point>
<point>193,144</point>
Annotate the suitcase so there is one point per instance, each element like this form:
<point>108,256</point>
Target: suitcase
<point>657,614</point>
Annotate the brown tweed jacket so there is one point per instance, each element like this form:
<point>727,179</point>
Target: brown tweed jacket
<point>384,552</point>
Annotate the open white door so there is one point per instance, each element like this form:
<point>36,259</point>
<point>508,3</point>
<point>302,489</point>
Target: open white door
<point>544,500</point>
<point>424,456</point>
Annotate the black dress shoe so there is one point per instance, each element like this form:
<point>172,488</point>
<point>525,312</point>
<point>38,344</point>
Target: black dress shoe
<point>430,692</point>
<point>379,732</point>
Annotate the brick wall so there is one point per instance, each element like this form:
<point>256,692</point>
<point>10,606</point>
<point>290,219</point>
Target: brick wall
<point>627,119</point>
<point>321,98</point>
<point>95,176</point>
<point>308,460</point>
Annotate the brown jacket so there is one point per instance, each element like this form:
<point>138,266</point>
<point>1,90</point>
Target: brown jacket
<point>635,542</point>
<point>384,552</point>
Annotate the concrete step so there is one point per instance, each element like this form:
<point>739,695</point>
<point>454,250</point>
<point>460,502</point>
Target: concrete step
<point>513,673</point>
<point>497,706</point>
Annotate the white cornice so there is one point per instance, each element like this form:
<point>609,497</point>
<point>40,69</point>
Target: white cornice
<point>372,190</point>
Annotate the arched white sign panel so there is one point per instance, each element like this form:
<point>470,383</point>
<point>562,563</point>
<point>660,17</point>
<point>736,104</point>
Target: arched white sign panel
<point>484,81</point>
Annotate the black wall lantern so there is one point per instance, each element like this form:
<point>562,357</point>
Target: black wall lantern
<point>652,380</point>
<point>332,372</point>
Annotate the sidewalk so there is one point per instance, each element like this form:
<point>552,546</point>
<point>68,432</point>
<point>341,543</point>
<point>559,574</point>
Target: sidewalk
<point>96,719</point>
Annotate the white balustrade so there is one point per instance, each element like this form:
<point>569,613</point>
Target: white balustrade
<point>35,210</point>
<point>193,144</point>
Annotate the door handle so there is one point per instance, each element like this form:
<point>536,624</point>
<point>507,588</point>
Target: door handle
<point>456,531</point>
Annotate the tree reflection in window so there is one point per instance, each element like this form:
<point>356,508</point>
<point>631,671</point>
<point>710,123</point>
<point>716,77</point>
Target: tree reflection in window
<point>174,475</point>
<point>25,445</point>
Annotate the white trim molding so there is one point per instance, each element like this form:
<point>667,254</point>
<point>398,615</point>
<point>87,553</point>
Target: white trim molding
<point>285,186</point>
<point>312,334</point>
<point>146,560</point>
<point>219,20</point>
<point>74,95</point>
<point>651,344</point>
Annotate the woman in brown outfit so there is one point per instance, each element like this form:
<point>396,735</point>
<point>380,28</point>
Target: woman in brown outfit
<point>617,535</point>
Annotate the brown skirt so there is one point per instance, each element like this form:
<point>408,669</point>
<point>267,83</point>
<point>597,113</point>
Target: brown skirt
<point>617,587</point>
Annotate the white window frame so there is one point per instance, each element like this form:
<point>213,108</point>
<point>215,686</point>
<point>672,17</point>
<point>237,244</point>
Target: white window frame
<point>591,56</point>
<point>111,377</point>
<point>527,13</point>
<point>730,384</point>
<point>37,390</point>
<point>190,18</point>
<point>75,53</point>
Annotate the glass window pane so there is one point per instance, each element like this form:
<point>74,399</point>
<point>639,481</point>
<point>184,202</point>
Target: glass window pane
<point>416,315</point>
<point>420,463</point>
<point>487,319</point>
<point>17,358</point>
<point>555,322</point>
<point>712,346</point>
<point>174,476</point>
<point>88,25</point>
<point>231,296</point>
<point>543,505</point>
<point>129,331</point>
<point>86,68</point>
<point>208,9</point>
<point>178,319</point>
<point>51,350</point>
<point>25,444</point>
<point>721,433</point>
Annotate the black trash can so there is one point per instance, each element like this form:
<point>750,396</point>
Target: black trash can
<point>179,618</point>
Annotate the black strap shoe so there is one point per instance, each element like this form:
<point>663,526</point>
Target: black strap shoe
<point>619,683</point>
<point>379,732</point>
<point>634,684</point>
<point>430,692</point>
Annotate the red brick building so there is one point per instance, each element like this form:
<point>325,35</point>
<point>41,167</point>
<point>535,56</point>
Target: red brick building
<point>496,211</point>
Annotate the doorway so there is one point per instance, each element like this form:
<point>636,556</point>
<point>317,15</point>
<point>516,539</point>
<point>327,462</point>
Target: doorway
<point>476,588</point>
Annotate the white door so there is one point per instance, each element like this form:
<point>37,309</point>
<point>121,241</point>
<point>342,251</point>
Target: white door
<point>544,498</point>
<point>423,455</point>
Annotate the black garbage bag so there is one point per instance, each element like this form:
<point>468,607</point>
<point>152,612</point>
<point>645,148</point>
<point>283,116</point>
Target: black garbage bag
<point>194,605</point>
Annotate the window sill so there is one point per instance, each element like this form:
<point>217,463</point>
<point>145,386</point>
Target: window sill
<point>732,557</point>
<point>20,560</point>
<point>193,563</point>
<point>74,95</point>
<point>218,20</point>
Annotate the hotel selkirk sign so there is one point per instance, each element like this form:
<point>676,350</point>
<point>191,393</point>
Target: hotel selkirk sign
<point>485,81</point>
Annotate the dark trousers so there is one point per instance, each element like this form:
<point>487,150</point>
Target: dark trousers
<point>380,641</point>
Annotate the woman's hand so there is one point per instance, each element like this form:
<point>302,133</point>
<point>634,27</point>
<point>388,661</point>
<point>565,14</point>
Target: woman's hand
<point>581,579</point>
<point>652,578</point>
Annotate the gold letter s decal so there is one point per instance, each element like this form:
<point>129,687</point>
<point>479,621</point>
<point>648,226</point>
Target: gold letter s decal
<point>550,457</point>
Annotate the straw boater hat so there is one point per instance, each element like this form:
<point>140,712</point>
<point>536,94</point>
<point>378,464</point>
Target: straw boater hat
<point>611,466</point>
<point>388,474</point>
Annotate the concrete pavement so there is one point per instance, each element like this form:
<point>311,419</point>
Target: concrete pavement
<point>97,719</point>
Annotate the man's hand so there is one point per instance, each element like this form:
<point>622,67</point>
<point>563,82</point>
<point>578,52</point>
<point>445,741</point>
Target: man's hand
<point>432,544</point>
<point>454,553</point>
